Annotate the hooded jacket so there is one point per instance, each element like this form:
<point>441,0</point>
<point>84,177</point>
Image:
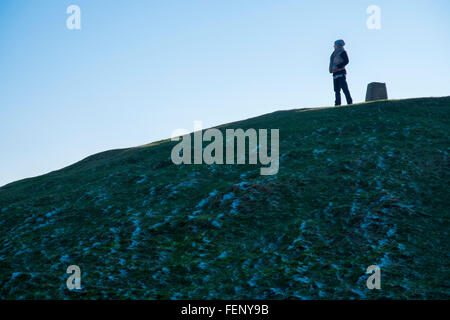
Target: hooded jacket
<point>338,61</point>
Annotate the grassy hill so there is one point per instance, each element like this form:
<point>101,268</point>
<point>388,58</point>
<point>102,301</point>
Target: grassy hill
<point>359,185</point>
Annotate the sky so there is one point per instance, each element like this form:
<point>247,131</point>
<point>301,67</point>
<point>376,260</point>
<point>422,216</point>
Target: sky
<point>139,69</point>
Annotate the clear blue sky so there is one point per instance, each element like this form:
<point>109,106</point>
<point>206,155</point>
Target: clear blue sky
<point>137,70</point>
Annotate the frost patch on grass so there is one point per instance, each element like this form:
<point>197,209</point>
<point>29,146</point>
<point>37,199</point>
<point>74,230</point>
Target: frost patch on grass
<point>242,185</point>
<point>234,206</point>
<point>227,196</point>
<point>136,232</point>
<point>52,213</point>
<point>205,200</point>
<point>222,255</point>
<point>143,179</point>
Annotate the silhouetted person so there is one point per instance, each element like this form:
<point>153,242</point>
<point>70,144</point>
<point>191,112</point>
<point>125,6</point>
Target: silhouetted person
<point>338,61</point>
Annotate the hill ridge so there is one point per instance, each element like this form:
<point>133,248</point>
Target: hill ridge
<point>359,185</point>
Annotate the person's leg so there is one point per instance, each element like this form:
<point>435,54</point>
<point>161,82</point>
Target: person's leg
<point>344,86</point>
<point>337,92</point>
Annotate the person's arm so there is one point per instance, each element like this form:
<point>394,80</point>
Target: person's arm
<point>344,57</point>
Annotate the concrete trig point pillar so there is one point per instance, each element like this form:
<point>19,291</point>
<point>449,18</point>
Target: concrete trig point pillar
<point>376,91</point>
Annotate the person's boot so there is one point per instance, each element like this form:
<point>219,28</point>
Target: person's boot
<point>348,97</point>
<point>349,100</point>
<point>337,102</point>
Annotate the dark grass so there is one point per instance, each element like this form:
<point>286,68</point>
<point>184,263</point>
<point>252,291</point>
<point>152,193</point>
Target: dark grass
<point>359,185</point>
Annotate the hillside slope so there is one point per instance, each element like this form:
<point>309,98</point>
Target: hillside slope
<point>359,185</point>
